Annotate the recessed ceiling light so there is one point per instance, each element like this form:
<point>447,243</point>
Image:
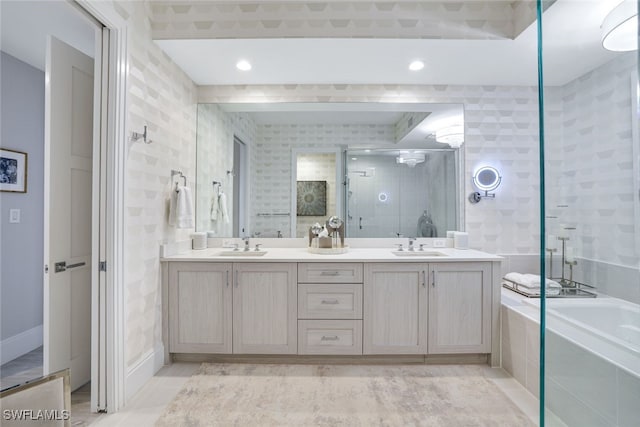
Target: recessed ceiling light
<point>243,65</point>
<point>416,65</point>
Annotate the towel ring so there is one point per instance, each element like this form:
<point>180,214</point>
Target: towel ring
<point>180,175</point>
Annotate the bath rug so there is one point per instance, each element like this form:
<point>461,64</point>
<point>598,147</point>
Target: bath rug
<point>225,394</point>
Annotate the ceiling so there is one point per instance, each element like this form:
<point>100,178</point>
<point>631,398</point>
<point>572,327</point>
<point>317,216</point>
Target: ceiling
<point>25,25</point>
<point>571,48</point>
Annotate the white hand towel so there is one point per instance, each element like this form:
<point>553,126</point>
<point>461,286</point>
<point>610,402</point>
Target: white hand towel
<point>184,208</point>
<point>215,207</point>
<point>224,214</point>
<point>173,202</point>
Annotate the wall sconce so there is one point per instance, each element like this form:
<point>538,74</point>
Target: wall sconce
<point>485,179</point>
<point>620,27</point>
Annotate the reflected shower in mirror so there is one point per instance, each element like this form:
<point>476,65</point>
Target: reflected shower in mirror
<point>395,193</point>
<point>296,168</point>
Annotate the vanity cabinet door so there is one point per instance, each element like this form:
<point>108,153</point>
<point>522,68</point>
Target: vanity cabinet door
<point>395,308</point>
<point>199,307</point>
<point>460,308</point>
<point>265,308</point>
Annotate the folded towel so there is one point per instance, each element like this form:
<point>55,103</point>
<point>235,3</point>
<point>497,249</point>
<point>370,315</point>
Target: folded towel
<point>534,281</point>
<point>531,281</point>
<point>222,209</point>
<point>181,208</point>
<point>533,291</point>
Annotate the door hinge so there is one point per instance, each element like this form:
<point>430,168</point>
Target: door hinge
<point>102,266</point>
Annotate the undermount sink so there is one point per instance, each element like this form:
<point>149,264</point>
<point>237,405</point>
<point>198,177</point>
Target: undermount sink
<point>242,253</point>
<point>418,253</point>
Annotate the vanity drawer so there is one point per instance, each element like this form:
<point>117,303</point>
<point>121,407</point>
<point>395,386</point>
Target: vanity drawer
<point>329,336</point>
<point>321,272</point>
<point>330,301</point>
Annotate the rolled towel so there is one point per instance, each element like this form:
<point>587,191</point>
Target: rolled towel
<point>534,281</point>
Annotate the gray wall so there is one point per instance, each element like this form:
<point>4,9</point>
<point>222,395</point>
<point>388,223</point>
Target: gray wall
<point>21,257</point>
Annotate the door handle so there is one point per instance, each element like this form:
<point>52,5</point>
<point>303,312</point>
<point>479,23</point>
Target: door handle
<point>62,266</point>
<point>235,278</point>
<point>329,273</point>
<point>227,278</point>
<point>424,278</point>
<point>78,264</point>
<point>433,278</point>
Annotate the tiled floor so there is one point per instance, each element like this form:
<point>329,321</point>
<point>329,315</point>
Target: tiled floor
<point>24,368</point>
<point>150,402</point>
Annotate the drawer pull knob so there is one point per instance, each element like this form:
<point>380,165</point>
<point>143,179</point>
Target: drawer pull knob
<point>329,338</point>
<point>329,301</point>
<point>329,273</point>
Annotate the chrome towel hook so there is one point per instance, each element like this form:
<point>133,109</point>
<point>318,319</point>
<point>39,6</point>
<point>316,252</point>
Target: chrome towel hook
<point>136,136</point>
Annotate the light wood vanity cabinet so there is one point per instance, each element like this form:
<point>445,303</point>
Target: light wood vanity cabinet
<point>460,308</point>
<point>242,308</point>
<point>395,308</point>
<point>200,307</point>
<point>427,308</point>
<point>331,308</point>
<point>264,308</point>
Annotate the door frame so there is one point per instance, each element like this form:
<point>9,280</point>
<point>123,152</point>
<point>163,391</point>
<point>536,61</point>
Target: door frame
<point>108,359</point>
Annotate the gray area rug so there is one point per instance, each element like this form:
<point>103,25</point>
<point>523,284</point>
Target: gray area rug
<point>341,395</point>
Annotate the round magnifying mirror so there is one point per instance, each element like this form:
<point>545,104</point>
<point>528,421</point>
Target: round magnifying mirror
<point>487,178</point>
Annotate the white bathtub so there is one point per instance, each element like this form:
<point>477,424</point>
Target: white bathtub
<point>592,369</point>
<point>615,320</point>
<point>607,327</point>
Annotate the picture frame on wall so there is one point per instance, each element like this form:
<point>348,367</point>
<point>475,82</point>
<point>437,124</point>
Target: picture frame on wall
<point>13,171</point>
<point>312,198</point>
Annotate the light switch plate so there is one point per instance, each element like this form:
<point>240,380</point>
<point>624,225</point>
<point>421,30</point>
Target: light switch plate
<point>438,243</point>
<point>14,216</point>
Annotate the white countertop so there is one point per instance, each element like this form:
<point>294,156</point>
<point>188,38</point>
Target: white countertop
<point>353,255</point>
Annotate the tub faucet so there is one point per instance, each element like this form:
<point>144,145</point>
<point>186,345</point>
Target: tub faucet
<point>246,244</point>
<point>411,240</point>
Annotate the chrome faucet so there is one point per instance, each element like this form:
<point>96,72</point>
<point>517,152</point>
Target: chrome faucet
<point>411,240</point>
<point>246,244</point>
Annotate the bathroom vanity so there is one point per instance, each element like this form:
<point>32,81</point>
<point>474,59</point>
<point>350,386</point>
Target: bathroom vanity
<point>287,301</point>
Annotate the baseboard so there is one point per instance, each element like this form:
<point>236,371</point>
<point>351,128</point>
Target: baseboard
<point>22,343</point>
<point>435,359</point>
<point>143,371</point>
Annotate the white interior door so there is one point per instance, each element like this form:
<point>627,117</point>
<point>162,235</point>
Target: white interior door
<point>68,211</point>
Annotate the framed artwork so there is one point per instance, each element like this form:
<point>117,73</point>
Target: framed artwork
<point>311,198</point>
<point>13,171</point>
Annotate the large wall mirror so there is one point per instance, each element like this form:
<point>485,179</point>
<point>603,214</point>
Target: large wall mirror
<point>274,169</point>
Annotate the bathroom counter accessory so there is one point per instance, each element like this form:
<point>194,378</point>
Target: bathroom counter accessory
<point>328,251</point>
